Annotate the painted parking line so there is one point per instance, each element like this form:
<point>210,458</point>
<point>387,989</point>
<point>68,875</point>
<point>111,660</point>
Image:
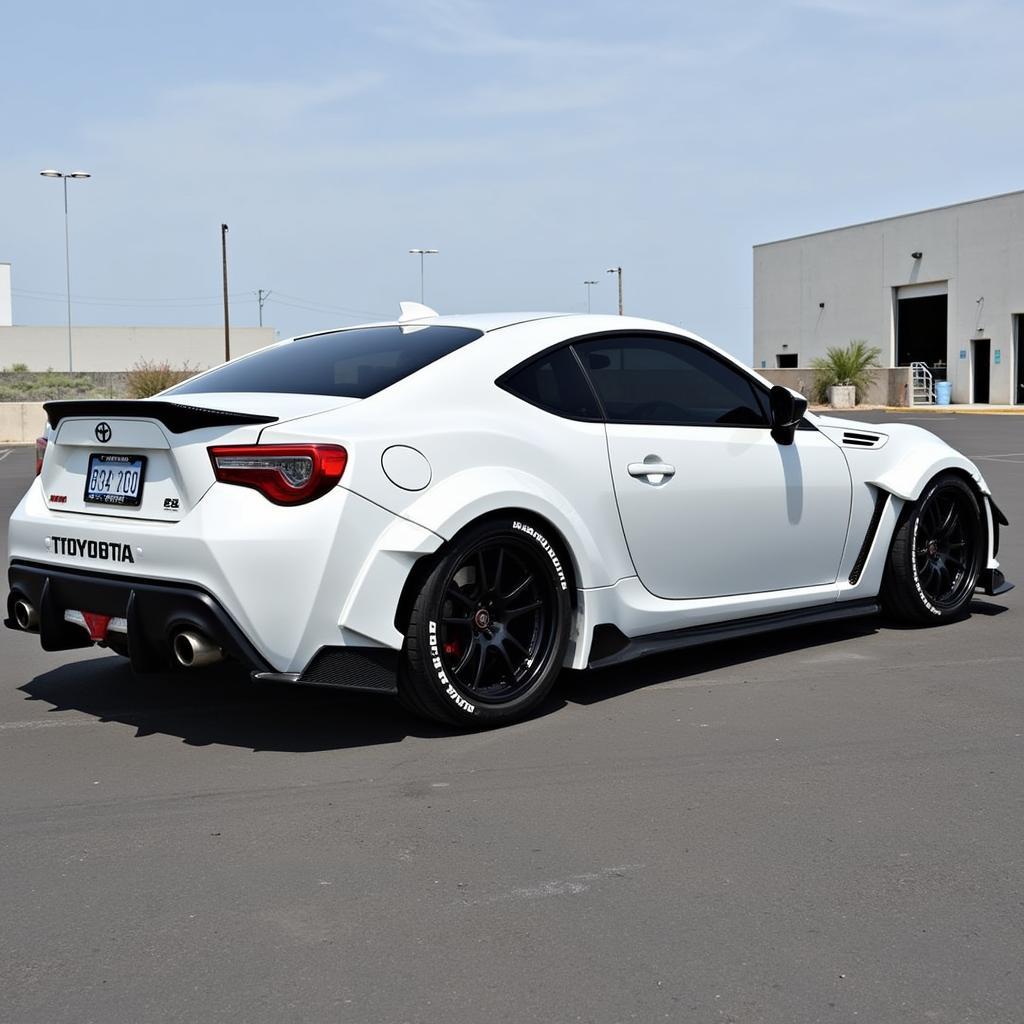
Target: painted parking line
<point>5,453</point>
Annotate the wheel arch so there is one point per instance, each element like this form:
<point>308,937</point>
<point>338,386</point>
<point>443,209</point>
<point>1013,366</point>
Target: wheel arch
<point>912,474</point>
<point>425,565</point>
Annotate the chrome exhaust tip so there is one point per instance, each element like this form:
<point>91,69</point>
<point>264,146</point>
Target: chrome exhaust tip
<point>25,614</point>
<point>193,650</point>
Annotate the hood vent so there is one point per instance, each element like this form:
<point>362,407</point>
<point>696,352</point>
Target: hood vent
<point>862,439</point>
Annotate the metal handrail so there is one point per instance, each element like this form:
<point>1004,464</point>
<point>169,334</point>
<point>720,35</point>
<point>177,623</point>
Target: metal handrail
<point>922,385</point>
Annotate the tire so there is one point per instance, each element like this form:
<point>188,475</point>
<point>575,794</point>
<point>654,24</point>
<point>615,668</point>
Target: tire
<point>489,628</point>
<point>936,554</point>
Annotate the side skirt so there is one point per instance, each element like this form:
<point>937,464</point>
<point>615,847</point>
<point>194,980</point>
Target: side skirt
<point>656,643</point>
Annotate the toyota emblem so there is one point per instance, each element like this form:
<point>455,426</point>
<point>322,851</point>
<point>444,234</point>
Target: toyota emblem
<point>103,432</point>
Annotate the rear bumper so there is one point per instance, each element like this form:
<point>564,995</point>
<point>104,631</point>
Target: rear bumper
<point>291,580</point>
<point>155,611</point>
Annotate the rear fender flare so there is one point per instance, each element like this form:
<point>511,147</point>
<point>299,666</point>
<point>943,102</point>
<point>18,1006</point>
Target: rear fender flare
<point>465,497</point>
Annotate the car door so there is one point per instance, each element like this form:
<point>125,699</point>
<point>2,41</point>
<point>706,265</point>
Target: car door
<point>710,504</point>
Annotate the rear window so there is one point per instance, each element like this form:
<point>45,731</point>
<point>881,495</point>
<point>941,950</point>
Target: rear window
<point>348,364</point>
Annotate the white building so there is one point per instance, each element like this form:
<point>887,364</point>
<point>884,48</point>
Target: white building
<point>943,287</point>
<point>115,348</point>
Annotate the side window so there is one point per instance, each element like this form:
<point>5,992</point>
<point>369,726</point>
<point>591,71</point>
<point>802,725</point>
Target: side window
<point>653,379</point>
<point>555,383</point>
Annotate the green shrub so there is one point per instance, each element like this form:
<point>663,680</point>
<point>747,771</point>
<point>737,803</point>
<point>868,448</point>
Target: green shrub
<point>844,366</point>
<point>17,368</point>
<point>147,377</point>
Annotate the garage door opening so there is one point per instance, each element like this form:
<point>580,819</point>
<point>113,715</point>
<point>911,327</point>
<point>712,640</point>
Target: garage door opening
<point>921,327</point>
<point>981,354</point>
<point>1018,357</point>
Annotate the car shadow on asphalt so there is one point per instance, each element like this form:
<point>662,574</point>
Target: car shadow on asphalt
<point>223,706</point>
<point>693,662</point>
<point>593,686</point>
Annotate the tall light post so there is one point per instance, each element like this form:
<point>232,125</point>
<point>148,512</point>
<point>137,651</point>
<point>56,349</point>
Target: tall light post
<point>64,176</point>
<point>421,253</point>
<point>224,272</point>
<point>618,270</point>
<point>588,284</point>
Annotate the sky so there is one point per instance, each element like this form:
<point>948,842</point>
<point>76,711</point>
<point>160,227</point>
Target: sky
<point>535,144</point>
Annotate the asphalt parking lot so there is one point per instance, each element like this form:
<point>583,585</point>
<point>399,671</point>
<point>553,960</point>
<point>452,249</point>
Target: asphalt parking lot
<point>824,825</point>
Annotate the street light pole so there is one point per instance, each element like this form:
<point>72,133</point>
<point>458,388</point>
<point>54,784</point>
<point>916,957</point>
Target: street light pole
<point>618,270</point>
<point>224,269</point>
<point>421,253</point>
<point>588,284</point>
<point>50,173</point>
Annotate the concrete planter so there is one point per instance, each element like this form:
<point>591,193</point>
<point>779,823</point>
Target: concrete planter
<point>842,396</point>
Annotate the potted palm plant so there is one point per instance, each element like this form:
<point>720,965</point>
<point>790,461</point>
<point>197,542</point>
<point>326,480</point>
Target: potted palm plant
<point>842,377</point>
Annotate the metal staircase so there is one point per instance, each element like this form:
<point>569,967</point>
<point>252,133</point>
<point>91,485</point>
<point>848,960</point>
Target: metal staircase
<point>922,385</point>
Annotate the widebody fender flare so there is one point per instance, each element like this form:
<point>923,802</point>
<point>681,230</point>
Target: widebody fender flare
<point>908,478</point>
<point>911,459</point>
<point>596,548</point>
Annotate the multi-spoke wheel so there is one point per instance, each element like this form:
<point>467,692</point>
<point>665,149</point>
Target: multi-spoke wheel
<point>936,554</point>
<point>489,628</point>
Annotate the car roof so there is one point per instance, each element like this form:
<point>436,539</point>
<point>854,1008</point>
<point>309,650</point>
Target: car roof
<point>476,321</point>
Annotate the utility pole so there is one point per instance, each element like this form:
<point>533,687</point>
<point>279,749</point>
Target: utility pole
<point>618,270</point>
<point>261,297</point>
<point>588,284</point>
<point>224,267</point>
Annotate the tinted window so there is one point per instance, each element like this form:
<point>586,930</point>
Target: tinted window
<point>650,379</point>
<point>555,383</point>
<point>352,364</point>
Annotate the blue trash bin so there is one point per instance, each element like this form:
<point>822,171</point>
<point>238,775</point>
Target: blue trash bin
<point>943,392</point>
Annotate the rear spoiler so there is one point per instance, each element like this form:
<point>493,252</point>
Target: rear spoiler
<point>178,419</point>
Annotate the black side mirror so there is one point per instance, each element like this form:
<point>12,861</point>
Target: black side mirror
<point>787,411</point>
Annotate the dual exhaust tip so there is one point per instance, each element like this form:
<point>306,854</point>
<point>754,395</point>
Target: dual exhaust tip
<point>190,648</point>
<point>193,650</point>
<point>25,615</point>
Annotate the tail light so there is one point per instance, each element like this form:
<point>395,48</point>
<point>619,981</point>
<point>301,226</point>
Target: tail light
<point>286,474</point>
<point>40,454</point>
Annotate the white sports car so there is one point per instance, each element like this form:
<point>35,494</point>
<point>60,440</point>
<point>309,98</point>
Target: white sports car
<point>453,508</point>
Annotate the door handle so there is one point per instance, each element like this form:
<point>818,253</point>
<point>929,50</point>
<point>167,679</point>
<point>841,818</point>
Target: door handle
<point>651,466</point>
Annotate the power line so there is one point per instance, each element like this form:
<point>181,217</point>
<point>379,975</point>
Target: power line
<point>330,307</point>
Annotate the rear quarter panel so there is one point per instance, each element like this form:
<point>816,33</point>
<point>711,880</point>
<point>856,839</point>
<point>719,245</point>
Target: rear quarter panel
<point>487,450</point>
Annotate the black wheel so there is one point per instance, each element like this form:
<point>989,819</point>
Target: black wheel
<point>936,554</point>
<point>488,631</point>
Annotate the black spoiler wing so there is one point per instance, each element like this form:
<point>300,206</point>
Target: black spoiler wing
<point>178,419</point>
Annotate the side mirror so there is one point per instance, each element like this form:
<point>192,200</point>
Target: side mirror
<point>788,410</point>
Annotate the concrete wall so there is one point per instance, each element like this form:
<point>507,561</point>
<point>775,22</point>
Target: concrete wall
<point>976,248</point>
<point>21,421</point>
<point>888,387</point>
<point>119,348</point>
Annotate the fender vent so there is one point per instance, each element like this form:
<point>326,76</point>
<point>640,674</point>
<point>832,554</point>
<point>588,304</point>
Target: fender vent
<point>881,498</point>
<point>859,439</point>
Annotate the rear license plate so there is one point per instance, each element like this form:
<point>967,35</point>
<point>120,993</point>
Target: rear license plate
<point>115,479</point>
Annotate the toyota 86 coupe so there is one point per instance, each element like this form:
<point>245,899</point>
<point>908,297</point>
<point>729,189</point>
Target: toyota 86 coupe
<point>453,508</point>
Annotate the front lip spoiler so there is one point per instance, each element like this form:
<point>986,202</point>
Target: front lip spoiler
<point>155,610</point>
<point>994,583</point>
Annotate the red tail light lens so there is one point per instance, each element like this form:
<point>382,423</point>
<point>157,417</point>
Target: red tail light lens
<point>286,474</point>
<point>40,454</point>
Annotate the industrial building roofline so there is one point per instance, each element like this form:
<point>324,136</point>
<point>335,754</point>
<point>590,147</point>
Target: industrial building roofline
<point>895,216</point>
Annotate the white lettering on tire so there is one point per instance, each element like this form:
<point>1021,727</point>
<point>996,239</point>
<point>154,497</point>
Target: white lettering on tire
<point>542,541</point>
<point>435,661</point>
<point>914,572</point>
